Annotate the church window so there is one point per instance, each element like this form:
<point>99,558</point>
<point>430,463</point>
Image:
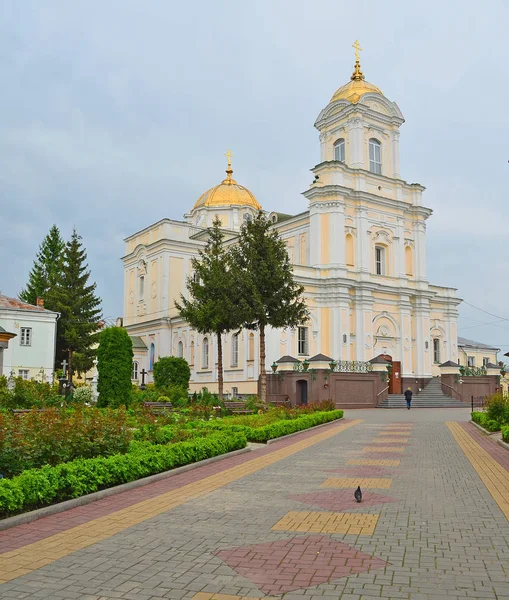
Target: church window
<point>409,261</point>
<point>251,346</point>
<point>470,361</point>
<point>192,354</point>
<point>375,156</point>
<point>350,253</point>
<point>436,351</point>
<point>303,349</point>
<point>205,354</point>
<point>152,356</point>
<point>379,260</point>
<point>235,350</point>
<point>180,350</point>
<point>134,374</point>
<point>339,150</point>
<point>142,286</point>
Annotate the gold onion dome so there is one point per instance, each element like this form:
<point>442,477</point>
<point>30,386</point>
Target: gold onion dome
<point>358,86</point>
<point>228,193</point>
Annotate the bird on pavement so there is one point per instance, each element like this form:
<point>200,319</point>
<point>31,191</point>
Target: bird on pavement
<point>358,494</point>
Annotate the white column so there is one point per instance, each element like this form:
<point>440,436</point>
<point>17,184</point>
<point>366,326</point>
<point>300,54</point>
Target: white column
<point>395,155</point>
<point>423,360</point>
<point>420,250</point>
<point>399,250</point>
<point>405,341</point>
<point>356,136</point>
<point>314,234</point>
<point>363,254</point>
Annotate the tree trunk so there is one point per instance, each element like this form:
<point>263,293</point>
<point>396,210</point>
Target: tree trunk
<point>263,374</point>
<point>219,367</point>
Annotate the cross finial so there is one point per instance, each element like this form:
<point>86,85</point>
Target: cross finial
<point>357,47</point>
<point>229,156</point>
<point>229,170</point>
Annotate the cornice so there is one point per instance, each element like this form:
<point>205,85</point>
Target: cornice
<point>328,113</point>
<point>149,227</point>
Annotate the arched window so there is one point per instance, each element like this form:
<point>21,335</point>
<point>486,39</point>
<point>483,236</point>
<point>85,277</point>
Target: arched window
<point>436,351</point>
<point>134,374</point>
<point>235,350</point>
<point>192,354</point>
<point>375,156</point>
<point>152,356</point>
<point>339,150</point>
<point>350,251</point>
<point>205,354</point>
<point>409,261</point>
<point>251,347</point>
<point>180,350</point>
<point>380,267</point>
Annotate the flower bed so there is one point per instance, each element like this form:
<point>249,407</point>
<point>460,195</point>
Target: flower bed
<point>39,487</point>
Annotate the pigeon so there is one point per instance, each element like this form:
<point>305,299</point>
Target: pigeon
<point>358,494</point>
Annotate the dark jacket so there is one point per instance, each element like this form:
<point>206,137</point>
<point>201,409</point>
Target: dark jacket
<point>408,395</point>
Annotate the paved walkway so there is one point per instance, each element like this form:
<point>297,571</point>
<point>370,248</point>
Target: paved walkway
<point>281,522</point>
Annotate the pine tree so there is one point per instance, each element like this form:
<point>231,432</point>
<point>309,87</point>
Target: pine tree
<point>74,298</point>
<point>265,275</point>
<point>46,270</point>
<point>214,305</point>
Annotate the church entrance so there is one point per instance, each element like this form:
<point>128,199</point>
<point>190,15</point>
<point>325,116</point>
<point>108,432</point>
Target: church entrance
<point>395,385</point>
<point>302,392</point>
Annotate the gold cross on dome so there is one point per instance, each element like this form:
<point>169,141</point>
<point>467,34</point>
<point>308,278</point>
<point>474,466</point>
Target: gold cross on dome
<point>229,156</point>
<point>357,47</point>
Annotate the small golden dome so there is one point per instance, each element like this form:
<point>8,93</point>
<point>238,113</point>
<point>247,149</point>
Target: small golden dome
<point>358,86</point>
<point>228,193</point>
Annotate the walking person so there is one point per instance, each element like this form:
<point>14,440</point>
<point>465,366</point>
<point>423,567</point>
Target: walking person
<point>408,398</point>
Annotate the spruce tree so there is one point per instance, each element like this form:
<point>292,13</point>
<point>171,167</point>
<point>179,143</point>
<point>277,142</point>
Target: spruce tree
<point>46,269</point>
<point>268,287</point>
<point>215,305</point>
<point>74,298</point>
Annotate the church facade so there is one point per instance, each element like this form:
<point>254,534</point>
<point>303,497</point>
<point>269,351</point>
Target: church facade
<point>359,251</point>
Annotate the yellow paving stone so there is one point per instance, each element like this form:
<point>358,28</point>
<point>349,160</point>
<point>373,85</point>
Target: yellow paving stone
<point>491,472</point>
<point>353,482</point>
<point>391,449</point>
<point>398,433</point>
<point>374,462</point>
<point>388,440</point>
<point>327,522</point>
<point>66,542</point>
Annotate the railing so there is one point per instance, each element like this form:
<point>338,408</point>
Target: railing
<point>472,371</point>
<point>478,402</point>
<point>351,366</point>
<point>380,393</point>
<point>451,389</point>
<point>384,390</point>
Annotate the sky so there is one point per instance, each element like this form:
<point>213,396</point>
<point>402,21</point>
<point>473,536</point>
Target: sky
<point>117,113</point>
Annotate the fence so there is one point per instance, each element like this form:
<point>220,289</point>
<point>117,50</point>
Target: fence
<point>478,402</point>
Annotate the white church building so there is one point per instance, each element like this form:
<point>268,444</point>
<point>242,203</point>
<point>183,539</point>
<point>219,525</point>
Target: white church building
<point>359,250</point>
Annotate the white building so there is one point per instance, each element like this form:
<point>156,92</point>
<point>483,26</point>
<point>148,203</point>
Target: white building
<point>31,353</point>
<point>359,250</point>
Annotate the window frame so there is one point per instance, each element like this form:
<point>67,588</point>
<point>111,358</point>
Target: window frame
<point>180,349</point>
<point>380,264</point>
<point>470,361</point>
<point>235,350</point>
<point>24,374</point>
<point>26,332</point>
<point>375,162</point>
<point>303,340</point>
<point>436,351</point>
<point>135,370</point>
<point>152,356</point>
<point>205,354</point>
<point>340,148</point>
<point>485,361</point>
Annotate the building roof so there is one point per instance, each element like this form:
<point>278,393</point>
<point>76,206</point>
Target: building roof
<point>138,343</point>
<point>471,344</point>
<point>287,359</point>
<point>15,304</point>
<point>320,358</point>
<point>356,87</point>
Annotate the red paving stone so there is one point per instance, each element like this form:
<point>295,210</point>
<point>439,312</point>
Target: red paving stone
<point>296,563</point>
<point>495,450</point>
<point>361,471</point>
<point>343,499</point>
<point>21,535</point>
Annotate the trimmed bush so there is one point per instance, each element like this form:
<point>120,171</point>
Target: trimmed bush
<point>171,371</point>
<point>497,408</point>
<point>505,433</point>
<point>114,366</point>
<point>485,422</point>
<point>39,487</point>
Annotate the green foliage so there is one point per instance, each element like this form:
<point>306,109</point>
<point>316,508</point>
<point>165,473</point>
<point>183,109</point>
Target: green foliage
<point>266,283</point>
<point>485,422</point>
<point>206,398</point>
<point>28,394</point>
<point>215,304</point>
<point>46,270</point>
<point>171,371</point>
<point>114,366</point>
<point>83,395</point>
<point>74,298</point>
<point>505,433</point>
<point>56,435</point>
<point>497,408</point>
<point>39,487</point>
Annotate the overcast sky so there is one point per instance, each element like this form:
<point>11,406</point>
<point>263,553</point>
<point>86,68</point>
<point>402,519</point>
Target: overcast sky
<point>117,113</point>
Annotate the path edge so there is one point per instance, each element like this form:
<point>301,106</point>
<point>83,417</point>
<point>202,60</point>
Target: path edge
<point>290,435</point>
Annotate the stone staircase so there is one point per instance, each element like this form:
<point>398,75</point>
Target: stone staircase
<point>430,397</point>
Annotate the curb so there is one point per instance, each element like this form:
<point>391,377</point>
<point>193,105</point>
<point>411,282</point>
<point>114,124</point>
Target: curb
<point>54,509</point>
<point>484,430</point>
<point>290,435</point>
<point>503,444</point>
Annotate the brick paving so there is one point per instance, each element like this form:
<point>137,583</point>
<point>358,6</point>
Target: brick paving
<point>442,533</point>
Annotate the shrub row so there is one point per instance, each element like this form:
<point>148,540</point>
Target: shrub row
<point>505,433</point>
<point>484,421</point>
<point>39,487</point>
<point>277,429</point>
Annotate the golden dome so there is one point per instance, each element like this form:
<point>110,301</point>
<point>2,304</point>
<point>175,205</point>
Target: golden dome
<point>228,193</point>
<point>358,86</point>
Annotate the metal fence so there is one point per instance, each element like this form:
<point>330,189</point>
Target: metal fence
<point>478,402</point>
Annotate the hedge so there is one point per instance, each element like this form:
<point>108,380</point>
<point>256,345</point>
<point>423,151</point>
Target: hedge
<point>39,487</point>
<point>485,422</point>
<point>505,433</point>
<point>278,429</point>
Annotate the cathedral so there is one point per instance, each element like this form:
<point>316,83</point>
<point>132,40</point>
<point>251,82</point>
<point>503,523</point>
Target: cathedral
<point>359,250</point>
